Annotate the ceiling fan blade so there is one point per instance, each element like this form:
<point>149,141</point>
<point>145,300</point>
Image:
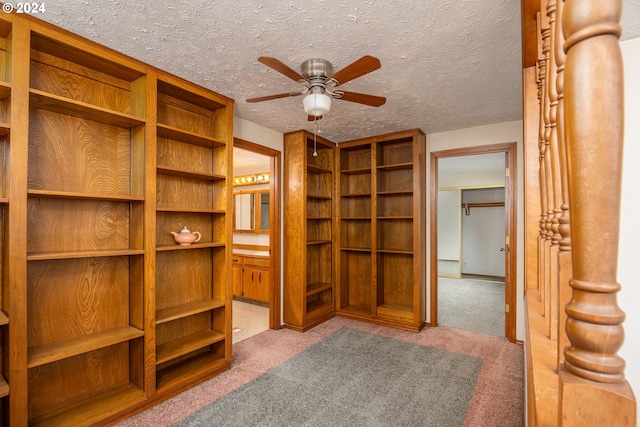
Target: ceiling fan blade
<point>280,67</point>
<point>362,66</point>
<point>362,98</point>
<point>312,118</point>
<point>270,97</point>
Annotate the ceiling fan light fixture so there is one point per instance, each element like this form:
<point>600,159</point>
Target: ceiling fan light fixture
<point>316,104</point>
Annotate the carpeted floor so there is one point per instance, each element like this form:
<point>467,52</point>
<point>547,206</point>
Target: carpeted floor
<point>474,305</point>
<point>352,378</point>
<point>497,400</point>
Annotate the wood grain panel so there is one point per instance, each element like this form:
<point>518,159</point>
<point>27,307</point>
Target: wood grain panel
<point>175,221</point>
<point>73,225</point>
<point>395,205</point>
<point>324,153</point>
<point>393,153</point>
<point>169,331</point>
<point>178,282</point>
<point>356,279</point>
<point>183,115</point>
<point>68,84</point>
<point>55,385</point>
<point>355,184</point>
<point>355,234</point>
<point>72,298</point>
<point>184,156</point>
<point>319,264</point>
<point>355,207</point>
<point>179,192</point>
<point>355,159</point>
<point>395,279</point>
<point>396,234</point>
<point>73,154</point>
<point>320,184</point>
<point>395,179</point>
<point>318,208</point>
<point>319,230</point>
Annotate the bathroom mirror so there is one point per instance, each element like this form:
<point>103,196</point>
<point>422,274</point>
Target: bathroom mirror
<point>243,205</point>
<point>251,211</point>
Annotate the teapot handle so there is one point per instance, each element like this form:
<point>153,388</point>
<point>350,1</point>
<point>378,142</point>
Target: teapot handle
<point>199,236</point>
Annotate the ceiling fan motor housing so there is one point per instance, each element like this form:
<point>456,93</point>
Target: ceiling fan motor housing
<point>316,69</point>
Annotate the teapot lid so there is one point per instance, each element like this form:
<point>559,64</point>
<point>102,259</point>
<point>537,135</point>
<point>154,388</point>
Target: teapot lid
<point>185,230</point>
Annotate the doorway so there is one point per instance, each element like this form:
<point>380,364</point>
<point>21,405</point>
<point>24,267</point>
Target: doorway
<point>507,154</point>
<point>272,248</point>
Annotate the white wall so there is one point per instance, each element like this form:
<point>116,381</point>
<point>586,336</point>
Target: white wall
<point>449,225</point>
<point>257,134</point>
<point>628,271</point>
<point>487,135</point>
<point>483,233</point>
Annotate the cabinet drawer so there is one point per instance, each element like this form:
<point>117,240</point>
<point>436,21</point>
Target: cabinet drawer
<point>257,261</point>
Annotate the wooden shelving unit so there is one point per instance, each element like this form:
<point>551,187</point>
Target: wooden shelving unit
<point>193,288</point>
<point>84,241</point>
<point>356,228</point>
<point>106,314</point>
<point>308,230</point>
<point>6,29</point>
<point>382,241</point>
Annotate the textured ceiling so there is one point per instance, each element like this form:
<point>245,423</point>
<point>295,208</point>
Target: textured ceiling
<point>445,64</point>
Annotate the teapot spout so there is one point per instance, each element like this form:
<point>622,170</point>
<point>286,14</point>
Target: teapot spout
<point>174,233</point>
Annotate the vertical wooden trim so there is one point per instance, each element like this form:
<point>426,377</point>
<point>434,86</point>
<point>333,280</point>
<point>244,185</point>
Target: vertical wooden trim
<point>17,223</point>
<point>531,179</point>
<point>433,240</point>
<point>511,203</point>
<point>150,222</point>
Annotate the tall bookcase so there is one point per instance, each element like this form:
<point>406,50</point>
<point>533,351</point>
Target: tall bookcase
<point>192,282</point>
<point>101,311</point>
<point>381,217</point>
<point>5,93</point>
<point>308,230</point>
<point>85,254</point>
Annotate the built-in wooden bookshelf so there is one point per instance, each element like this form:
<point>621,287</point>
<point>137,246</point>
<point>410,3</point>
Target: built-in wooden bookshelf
<point>85,259</point>
<point>105,313</point>
<point>308,230</point>
<point>381,275</point>
<point>354,233</point>
<point>192,282</point>
<point>356,227</point>
<point>5,93</point>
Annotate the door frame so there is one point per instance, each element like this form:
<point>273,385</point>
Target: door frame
<point>510,228</point>
<point>274,225</point>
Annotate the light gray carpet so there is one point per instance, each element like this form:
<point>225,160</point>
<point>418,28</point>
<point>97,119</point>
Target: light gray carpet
<point>353,378</point>
<point>472,305</point>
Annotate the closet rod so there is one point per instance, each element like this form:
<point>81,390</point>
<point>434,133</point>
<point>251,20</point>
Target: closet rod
<point>468,206</point>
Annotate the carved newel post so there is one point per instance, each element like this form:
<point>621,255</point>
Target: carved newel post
<point>592,376</point>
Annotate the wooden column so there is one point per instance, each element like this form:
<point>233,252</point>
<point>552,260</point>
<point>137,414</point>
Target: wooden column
<point>592,378</point>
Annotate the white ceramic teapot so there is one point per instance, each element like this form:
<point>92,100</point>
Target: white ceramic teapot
<point>186,237</point>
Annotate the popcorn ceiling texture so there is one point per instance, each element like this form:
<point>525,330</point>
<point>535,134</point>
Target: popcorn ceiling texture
<point>445,64</point>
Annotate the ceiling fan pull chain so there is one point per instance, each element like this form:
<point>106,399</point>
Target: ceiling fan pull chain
<point>315,132</point>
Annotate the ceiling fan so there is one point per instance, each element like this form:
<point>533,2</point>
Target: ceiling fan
<point>320,83</point>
